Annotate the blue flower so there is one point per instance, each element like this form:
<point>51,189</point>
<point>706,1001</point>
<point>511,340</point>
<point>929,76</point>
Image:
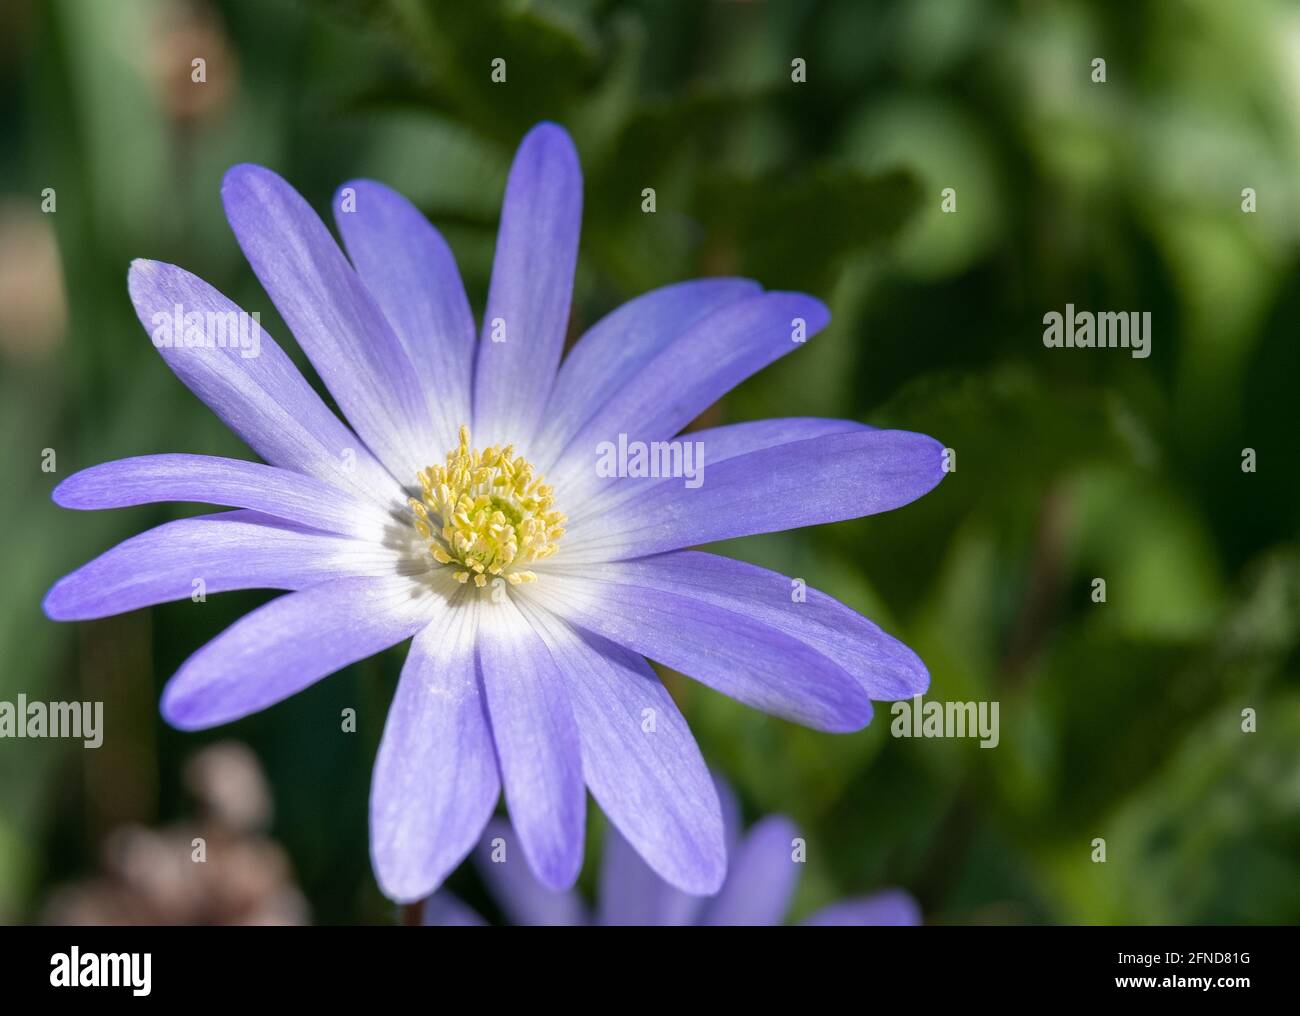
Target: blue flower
<point>531,603</point>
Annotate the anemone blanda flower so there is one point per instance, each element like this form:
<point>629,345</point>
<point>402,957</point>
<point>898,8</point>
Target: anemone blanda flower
<point>531,605</point>
<point>757,890</point>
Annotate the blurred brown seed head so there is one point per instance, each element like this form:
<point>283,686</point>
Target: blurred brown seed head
<point>228,783</point>
<point>33,306</point>
<point>220,869</point>
<point>185,31</point>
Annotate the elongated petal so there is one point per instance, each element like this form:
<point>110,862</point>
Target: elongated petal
<point>732,439</point>
<point>886,668</point>
<point>532,287</point>
<point>762,877</point>
<point>709,447</point>
<point>410,271</point>
<point>149,479</point>
<point>514,886</point>
<point>690,374</point>
<point>537,743</point>
<point>752,662</point>
<point>435,781</point>
<point>290,643</point>
<point>890,907</point>
<point>232,550</point>
<point>333,317</point>
<point>639,758</point>
<point>263,398</point>
<point>615,348</point>
<point>805,483</point>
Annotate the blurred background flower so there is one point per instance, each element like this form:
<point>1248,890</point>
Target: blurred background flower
<point>1120,720</point>
<point>764,865</point>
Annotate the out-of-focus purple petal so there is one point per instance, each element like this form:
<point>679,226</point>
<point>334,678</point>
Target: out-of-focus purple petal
<point>688,375</point>
<point>892,907</point>
<point>410,271</point>
<point>805,483</point>
<point>511,881</point>
<point>290,643</point>
<point>435,780</point>
<point>632,894</point>
<point>149,479</point>
<point>537,743</point>
<point>446,910</point>
<point>262,398</point>
<point>531,288</point>
<point>732,823</point>
<point>886,667</point>
<point>333,317</point>
<point>729,652</point>
<point>761,879</point>
<point>611,351</point>
<point>231,550</point>
<point>639,758</point>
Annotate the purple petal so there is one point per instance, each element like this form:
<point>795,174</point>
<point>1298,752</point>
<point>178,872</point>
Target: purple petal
<point>762,877</point>
<point>805,483</point>
<point>732,823</point>
<point>537,743</point>
<point>149,479</point>
<point>444,910</point>
<point>747,660</point>
<point>532,286</point>
<point>435,781</point>
<point>632,894</point>
<point>232,550</point>
<point>410,271</point>
<point>290,643</point>
<point>639,758</point>
<point>263,398</point>
<point>891,907</point>
<point>886,668</point>
<point>718,444</point>
<point>615,348</point>
<point>688,375</point>
<point>522,898</point>
<point>734,439</point>
<point>334,319</point>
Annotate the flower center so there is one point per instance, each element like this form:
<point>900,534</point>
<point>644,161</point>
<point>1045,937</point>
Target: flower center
<point>486,512</point>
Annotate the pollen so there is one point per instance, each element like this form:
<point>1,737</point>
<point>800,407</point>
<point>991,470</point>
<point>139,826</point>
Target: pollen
<point>486,513</point>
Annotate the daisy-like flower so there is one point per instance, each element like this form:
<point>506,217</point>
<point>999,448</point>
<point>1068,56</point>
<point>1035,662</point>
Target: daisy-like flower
<point>760,882</point>
<point>531,602</point>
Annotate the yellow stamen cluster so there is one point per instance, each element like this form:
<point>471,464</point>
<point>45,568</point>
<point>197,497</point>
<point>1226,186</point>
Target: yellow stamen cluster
<point>487,512</point>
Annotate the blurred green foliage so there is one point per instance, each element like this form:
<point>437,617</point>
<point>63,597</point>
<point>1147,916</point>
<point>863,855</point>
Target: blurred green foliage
<point>1119,720</point>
